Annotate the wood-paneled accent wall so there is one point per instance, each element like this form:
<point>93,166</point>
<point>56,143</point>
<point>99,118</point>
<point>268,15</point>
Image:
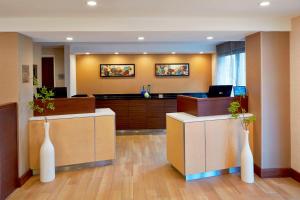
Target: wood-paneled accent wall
<point>8,149</point>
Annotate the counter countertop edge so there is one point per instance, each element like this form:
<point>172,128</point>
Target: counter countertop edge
<point>97,113</point>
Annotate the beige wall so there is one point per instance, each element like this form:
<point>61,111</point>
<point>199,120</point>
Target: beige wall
<point>8,61</point>
<point>295,94</point>
<point>275,61</point>
<point>17,50</point>
<point>58,53</point>
<point>89,81</point>
<point>37,60</point>
<point>253,58</point>
<point>268,82</point>
<point>25,95</point>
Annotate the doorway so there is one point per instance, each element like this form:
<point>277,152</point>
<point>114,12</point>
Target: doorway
<point>48,72</point>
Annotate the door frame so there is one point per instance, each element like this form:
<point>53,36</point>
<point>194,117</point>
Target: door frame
<point>49,56</point>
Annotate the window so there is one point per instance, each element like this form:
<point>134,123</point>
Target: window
<point>231,64</point>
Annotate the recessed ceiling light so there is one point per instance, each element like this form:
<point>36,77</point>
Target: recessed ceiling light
<point>265,3</point>
<point>116,53</point>
<point>91,3</point>
<point>141,38</point>
<point>87,53</point>
<point>145,53</point>
<point>209,37</point>
<point>69,38</point>
<point>201,52</point>
<point>173,52</point>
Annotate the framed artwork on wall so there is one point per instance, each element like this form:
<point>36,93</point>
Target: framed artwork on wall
<point>117,70</point>
<point>172,69</point>
<point>25,73</point>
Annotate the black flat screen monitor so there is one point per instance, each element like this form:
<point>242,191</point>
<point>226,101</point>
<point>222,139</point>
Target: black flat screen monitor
<point>60,92</point>
<point>219,91</point>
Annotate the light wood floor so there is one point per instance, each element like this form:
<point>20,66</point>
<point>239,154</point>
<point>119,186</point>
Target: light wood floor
<point>141,172</point>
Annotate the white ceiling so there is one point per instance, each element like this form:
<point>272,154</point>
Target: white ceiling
<point>148,8</point>
<point>131,36</point>
<point>185,23</point>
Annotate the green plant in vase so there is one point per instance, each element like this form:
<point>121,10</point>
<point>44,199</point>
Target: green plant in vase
<point>247,164</point>
<point>42,99</point>
<point>41,102</point>
<point>238,112</point>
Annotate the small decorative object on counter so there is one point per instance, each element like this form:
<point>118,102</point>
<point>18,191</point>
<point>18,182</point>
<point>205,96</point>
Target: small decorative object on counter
<point>143,90</point>
<point>146,92</point>
<point>42,102</point>
<point>247,165</point>
<point>147,95</point>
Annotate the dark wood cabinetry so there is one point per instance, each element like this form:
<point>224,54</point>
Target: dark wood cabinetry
<point>140,113</point>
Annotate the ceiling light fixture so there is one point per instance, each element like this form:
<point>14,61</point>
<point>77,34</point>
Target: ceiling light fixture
<point>87,53</point>
<point>201,52</point>
<point>91,3</point>
<point>145,53</point>
<point>209,37</point>
<point>69,38</point>
<point>141,38</point>
<point>265,3</point>
<point>116,53</point>
<point>173,52</point>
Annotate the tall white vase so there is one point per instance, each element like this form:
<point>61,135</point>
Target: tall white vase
<point>47,158</point>
<point>247,169</point>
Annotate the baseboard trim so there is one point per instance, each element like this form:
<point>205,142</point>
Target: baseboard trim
<point>22,180</point>
<point>272,172</point>
<point>295,175</point>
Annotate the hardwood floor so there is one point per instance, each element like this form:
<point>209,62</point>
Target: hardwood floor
<point>141,172</point>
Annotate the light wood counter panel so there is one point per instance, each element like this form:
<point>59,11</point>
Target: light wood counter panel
<point>223,144</point>
<point>105,138</point>
<point>77,139</point>
<point>175,144</point>
<point>196,145</point>
<point>73,141</point>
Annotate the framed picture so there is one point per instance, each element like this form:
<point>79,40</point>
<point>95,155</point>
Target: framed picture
<point>25,73</point>
<point>172,69</point>
<point>117,70</point>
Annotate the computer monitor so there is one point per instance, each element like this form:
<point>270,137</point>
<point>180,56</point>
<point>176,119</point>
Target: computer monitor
<point>239,91</point>
<point>60,92</point>
<point>219,91</point>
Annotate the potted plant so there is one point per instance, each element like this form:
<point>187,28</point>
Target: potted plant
<point>42,102</point>
<point>247,165</point>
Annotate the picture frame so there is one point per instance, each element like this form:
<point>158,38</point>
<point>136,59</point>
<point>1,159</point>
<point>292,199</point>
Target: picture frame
<point>172,69</point>
<point>117,70</point>
<point>25,73</point>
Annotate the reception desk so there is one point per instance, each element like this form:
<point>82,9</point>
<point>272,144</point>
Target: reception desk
<point>208,106</point>
<point>200,147</point>
<point>77,138</point>
<point>72,105</point>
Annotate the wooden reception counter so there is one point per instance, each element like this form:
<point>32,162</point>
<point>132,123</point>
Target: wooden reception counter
<point>72,105</point>
<point>204,146</point>
<point>208,106</point>
<point>77,138</point>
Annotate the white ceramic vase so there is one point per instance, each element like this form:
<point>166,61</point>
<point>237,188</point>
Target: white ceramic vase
<point>47,158</point>
<point>247,169</point>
